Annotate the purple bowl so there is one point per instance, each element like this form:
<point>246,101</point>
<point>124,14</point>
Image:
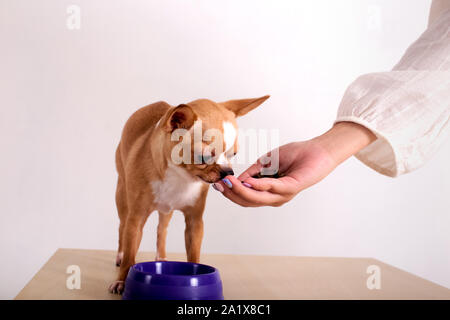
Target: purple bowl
<point>172,280</point>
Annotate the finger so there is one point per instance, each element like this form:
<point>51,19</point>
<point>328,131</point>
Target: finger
<point>283,185</point>
<point>234,197</point>
<point>260,184</point>
<point>250,195</point>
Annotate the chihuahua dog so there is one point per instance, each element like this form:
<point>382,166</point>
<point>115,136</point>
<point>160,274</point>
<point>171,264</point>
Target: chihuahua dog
<point>158,172</point>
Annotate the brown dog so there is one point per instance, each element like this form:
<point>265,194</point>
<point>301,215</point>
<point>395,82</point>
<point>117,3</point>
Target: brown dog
<point>157,172</point>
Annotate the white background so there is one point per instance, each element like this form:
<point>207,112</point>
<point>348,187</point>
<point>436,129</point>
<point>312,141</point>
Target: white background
<point>65,96</point>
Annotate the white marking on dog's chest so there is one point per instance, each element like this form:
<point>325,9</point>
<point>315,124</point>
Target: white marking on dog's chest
<point>177,190</point>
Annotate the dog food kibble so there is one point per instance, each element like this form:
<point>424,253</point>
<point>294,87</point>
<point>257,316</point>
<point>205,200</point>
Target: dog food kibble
<point>274,176</point>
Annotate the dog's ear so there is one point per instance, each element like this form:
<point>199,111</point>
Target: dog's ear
<point>242,106</point>
<point>180,117</point>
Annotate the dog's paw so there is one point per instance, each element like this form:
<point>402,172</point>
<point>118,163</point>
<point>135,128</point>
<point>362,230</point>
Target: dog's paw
<point>119,258</point>
<point>158,258</point>
<point>116,287</point>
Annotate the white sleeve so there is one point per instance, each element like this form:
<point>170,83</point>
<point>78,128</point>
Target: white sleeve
<point>408,108</point>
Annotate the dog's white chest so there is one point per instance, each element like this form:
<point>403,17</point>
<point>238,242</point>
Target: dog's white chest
<point>177,190</point>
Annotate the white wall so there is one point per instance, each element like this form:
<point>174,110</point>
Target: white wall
<point>65,96</point>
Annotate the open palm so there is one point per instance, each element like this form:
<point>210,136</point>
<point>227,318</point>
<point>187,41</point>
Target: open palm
<point>301,164</point>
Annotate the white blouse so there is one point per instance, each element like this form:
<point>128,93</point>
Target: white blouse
<point>408,108</point>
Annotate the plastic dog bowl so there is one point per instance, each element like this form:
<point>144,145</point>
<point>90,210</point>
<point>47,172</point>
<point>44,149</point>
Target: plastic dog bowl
<point>172,280</point>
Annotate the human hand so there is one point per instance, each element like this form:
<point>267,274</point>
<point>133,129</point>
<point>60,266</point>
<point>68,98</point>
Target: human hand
<point>301,165</point>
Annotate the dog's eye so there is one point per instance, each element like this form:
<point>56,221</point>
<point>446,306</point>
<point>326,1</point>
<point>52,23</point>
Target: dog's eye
<point>231,154</point>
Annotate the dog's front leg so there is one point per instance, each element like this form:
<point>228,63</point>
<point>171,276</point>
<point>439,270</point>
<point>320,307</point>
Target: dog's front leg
<point>164,219</point>
<point>193,233</point>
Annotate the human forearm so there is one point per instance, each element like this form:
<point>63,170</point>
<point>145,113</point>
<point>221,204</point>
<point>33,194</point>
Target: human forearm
<point>345,139</point>
<point>438,7</point>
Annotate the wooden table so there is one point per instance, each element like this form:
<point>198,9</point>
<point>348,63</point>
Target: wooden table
<point>243,276</point>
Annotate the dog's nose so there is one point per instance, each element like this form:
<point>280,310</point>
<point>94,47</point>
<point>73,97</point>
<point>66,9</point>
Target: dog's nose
<point>226,172</point>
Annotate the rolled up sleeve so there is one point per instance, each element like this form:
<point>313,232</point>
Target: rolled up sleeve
<point>408,108</point>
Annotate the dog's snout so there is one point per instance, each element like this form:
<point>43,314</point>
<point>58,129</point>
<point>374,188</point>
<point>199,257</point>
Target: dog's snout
<point>226,172</point>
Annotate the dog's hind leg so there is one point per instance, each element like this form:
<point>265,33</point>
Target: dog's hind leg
<point>121,202</point>
<point>164,219</point>
<point>122,209</point>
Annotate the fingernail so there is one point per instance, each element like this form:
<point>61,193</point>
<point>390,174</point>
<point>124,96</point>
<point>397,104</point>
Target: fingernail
<point>248,185</point>
<point>228,183</point>
<point>218,187</point>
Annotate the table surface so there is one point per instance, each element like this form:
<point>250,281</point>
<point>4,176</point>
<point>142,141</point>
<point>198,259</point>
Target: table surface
<point>243,277</point>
